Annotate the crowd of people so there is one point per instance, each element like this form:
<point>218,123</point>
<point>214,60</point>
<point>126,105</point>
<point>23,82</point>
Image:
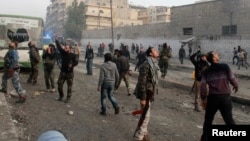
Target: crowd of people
<point>211,95</point>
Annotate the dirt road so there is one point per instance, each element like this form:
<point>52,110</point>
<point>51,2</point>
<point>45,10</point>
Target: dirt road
<point>172,115</point>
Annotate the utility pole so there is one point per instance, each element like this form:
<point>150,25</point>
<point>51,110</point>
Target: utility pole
<point>112,29</point>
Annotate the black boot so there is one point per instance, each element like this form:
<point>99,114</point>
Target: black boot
<point>3,91</point>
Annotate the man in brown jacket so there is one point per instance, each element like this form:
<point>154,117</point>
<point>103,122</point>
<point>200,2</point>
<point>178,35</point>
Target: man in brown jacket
<point>34,61</point>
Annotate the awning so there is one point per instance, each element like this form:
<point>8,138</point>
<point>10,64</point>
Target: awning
<point>188,39</point>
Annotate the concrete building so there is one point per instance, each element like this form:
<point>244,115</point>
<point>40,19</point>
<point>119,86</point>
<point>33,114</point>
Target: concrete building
<point>56,16</point>
<point>154,14</point>
<point>220,19</point>
<point>97,14</point>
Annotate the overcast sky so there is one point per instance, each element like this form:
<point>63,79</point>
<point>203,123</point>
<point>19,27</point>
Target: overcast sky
<point>37,8</point>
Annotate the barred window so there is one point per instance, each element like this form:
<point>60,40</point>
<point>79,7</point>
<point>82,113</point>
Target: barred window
<point>188,31</point>
<point>229,30</point>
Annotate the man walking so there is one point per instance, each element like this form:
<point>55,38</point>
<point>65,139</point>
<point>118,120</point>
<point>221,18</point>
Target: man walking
<point>217,77</point>
<point>108,78</point>
<point>11,70</point>
<point>89,56</point>
<point>123,69</point>
<point>34,61</point>
<point>67,70</point>
<point>145,89</point>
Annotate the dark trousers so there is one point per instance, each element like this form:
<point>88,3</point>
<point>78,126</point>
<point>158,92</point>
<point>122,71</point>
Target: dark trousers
<point>107,90</point>
<point>215,102</point>
<point>89,66</point>
<point>181,58</point>
<point>163,64</point>
<point>49,76</point>
<point>33,74</point>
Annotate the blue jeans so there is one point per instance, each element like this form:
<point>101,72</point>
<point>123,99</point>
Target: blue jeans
<point>89,66</point>
<point>15,81</point>
<point>107,90</point>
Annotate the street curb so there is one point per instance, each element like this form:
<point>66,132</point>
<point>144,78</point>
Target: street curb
<point>8,130</point>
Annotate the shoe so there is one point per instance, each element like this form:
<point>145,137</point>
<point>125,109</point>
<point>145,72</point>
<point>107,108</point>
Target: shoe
<point>21,100</point>
<point>117,110</point>
<point>129,94</point>
<point>103,113</point>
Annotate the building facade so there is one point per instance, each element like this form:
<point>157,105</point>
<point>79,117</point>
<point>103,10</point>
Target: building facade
<point>56,16</point>
<point>97,15</point>
<point>220,19</point>
<point>154,14</point>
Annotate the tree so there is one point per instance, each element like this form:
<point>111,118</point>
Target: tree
<point>76,21</point>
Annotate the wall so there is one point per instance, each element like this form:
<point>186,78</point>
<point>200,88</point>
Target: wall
<point>207,18</point>
<point>208,29</point>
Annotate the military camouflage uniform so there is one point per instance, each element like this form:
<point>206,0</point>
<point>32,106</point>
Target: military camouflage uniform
<point>146,85</point>
<point>165,54</point>
<point>67,73</point>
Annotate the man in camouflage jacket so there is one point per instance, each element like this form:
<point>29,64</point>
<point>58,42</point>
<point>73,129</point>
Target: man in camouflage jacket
<point>165,54</point>
<point>145,89</point>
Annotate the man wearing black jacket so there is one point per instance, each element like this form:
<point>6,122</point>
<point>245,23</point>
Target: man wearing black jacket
<point>67,70</point>
<point>200,65</point>
<point>89,56</point>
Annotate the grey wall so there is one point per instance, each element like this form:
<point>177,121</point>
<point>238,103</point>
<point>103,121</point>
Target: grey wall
<point>207,18</point>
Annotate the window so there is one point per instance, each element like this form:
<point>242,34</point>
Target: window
<point>188,31</point>
<point>229,30</point>
<point>2,31</point>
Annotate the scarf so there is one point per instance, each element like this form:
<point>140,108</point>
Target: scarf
<point>154,68</point>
